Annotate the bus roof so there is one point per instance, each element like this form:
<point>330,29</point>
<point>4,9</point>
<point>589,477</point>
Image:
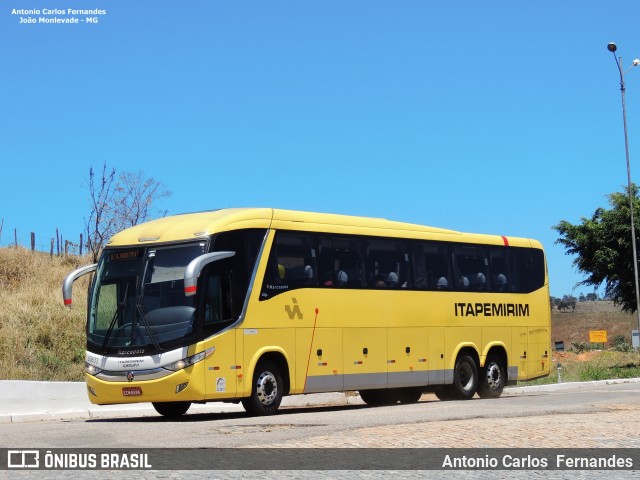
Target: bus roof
<point>191,226</point>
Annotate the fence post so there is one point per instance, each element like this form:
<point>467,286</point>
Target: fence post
<point>66,247</point>
<point>15,236</point>
<point>1,225</point>
<point>80,244</point>
<point>33,242</point>
<point>51,254</point>
<point>57,242</point>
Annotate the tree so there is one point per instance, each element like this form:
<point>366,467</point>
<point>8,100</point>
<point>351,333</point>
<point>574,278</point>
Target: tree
<point>602,245</point>
<point>567,302</point>
<point>117,203</point>
<point>592,297</point>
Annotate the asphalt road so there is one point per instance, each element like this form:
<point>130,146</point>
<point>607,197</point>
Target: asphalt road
<point>593,416</point>
<point>548,415</point>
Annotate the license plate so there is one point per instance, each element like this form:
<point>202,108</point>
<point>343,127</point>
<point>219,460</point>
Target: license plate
<point>131,391</point>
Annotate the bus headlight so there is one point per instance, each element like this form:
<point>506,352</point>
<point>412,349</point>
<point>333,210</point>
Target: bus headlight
<point>187,362</point>
<point>91,369</point>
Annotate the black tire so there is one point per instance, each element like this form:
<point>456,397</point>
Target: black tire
<point>377,398</point>
<point>267,390</point>
<point>492,378</point>
<point>171,409</point>
<point>408,394</point>
<point>443,393</point>
<point>465,381</point>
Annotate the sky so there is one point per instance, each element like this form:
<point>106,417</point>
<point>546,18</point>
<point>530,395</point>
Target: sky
<point>496,117</point>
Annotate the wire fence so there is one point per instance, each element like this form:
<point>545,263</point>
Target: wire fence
<point>55,245</point>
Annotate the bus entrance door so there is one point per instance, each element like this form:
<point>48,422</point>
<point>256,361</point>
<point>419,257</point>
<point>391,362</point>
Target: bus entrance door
<point>222,369</point>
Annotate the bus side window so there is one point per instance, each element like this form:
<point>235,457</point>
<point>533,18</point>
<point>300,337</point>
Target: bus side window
<point>499,268</point>
<point>291,264</point>
<point>387,263</point>
<point>340,262</point>
<point>431,266</point>
<point>437,258</point>
<point>297,259</point>
<point>419,267</point>
<point>530,267</point>
<point>517,267</point>
<point>471,265</point>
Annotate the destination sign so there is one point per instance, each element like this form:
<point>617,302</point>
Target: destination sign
<point>125,255</point>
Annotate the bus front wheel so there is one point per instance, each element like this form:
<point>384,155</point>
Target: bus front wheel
<point>267,390</point>
<point>171,409</point>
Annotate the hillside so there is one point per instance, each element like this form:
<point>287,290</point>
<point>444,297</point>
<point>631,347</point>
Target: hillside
<point>574,326</point>
<point>40,339</point>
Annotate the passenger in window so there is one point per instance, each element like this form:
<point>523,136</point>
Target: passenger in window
<point>340,275</point>
<point>481,281</point>
<point>379,281</point>
<point>392,280</point>
<point>463,283</point>
<point>342,278</point>
<point>308,275</point>
<point>337,278</point>
<point>501,283</point>
<point>442,284</point>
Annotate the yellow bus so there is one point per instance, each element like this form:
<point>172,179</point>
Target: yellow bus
<point>253,304</point>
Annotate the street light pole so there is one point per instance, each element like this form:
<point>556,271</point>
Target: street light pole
<point>612,48</point>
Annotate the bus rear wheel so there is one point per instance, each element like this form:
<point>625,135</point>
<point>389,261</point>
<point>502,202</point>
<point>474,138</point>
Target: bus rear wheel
<point>465,381</point>
<point>267,390</point>
<point>171,409</point>
<point>465,378</point>
<point>493,378</point>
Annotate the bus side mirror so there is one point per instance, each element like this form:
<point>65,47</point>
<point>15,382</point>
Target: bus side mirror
<point>192,272</point>
<point>67,284</point>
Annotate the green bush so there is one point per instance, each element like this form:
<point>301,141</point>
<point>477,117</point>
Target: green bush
<point>621,344</point>
<point>580,347</point>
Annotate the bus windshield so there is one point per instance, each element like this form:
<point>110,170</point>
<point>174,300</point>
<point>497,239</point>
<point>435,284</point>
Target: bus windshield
<point>138,301</point>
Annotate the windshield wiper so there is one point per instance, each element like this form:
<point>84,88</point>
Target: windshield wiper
<point>140,308</point>
<point>150,329</point>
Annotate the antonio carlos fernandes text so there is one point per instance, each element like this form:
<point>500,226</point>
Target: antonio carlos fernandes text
<point>562,462</point>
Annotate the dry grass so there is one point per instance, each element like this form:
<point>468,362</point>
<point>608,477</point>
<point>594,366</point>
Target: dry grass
<point>40,338</point>
<point>592,365</point>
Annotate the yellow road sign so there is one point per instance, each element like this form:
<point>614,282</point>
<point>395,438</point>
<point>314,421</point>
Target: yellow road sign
<point>598,336</point>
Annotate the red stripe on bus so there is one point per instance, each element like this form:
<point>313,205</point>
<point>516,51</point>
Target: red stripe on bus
<point>192,288</point>
<point>505,240</point>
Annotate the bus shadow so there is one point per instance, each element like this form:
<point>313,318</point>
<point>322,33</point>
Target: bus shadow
<point>217,416</point>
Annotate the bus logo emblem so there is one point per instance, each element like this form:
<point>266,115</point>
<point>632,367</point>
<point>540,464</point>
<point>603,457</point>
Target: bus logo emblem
<point>130,376</point>
<point>293,311</point>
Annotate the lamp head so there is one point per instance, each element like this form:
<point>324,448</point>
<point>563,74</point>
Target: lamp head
<point>612,47</point>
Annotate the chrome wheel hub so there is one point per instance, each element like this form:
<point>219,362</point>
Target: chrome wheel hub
<point>266,388</point>
<point>494,376</point>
